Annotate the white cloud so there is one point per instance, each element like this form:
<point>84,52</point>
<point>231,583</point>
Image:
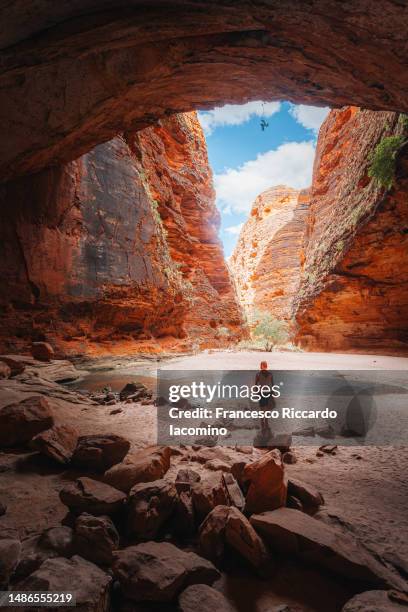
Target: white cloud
<point>311,117</point>
<point>235,114</point>
<point>290,164</point>
<point>234,229</point>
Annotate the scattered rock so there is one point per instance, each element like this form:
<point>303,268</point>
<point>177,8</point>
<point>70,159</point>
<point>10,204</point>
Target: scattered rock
<point>202,598</point>
<point>147,465</point>
<point>57,443</point>
<point>15,364</point>
<point>5,370</point>
<point>87,581</point>
<point>309,496</point>
<point>42,351</point>
<point>154,571</point>
<point>292,532</point>
<point>116,411</point>
<point>319,454</point>
<point>235,495</point>
<point>150,505</point>
<point>91,496</point>
<point>133,391</point>
<point>95,538</point>
<point>227,525</point>
<point>281,442</point>
<point>267,484</point>
<point>329,449</point>
<point>22,421</point>
<point>375,601</point>
<point>209,493</point>
<point>100,452</point>
<point>289,458</point>
<point>185,479</point>
<point>10,551</point>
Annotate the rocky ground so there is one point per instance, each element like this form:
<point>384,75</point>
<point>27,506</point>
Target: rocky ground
<point>87,499</point>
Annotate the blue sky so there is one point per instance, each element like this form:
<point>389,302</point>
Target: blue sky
<point>246,160</point>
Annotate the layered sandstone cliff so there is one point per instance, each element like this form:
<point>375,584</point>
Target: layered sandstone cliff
<point>354,289</point>
<point>267,259</point>
<point>118,251</point>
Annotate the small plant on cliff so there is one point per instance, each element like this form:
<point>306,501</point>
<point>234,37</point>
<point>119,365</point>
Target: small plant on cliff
<point>270,330</point>
<point>383,161</point>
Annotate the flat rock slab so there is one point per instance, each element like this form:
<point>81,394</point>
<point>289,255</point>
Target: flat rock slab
<point>89,583</point>
<point>203,598</point>
<point>91,496</point>
<point>294,533</point>
<point>159,571</point>
<point>377,601</point>
<point>21,421</point>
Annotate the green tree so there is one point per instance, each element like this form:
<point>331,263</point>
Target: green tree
<point>270,330</point>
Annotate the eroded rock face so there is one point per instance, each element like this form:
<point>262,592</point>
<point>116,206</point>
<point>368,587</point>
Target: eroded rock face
<point>354,289</point>
<point>266,262</point>
<point>73,75</point>
<point>118,249</point>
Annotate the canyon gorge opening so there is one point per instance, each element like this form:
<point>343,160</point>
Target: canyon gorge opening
<point>112,268</point>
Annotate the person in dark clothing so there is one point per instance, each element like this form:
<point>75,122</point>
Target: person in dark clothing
<point>265,378</point>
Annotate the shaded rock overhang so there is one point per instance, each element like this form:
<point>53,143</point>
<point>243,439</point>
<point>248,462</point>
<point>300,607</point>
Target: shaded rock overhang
<point>75,74</point>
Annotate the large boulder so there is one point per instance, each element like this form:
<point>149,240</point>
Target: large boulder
<point>145,466</point>
<point>58,443</point>
<point>309,496</point>
<point>377,601</point>
<point>54,542</point>
<point>228,526</point>
<point>100,452</point>
<point>91,496</point>
<point>150,505</point>
<point>42,351</point>
<point>266,482</point>
<point>202,598</point>
<point>95,538</point>
<point>209,493</point>
<point>86,581</point>
<point>10,552</point>
<point>21,421</point>
<point>159,571</point>
<point>294,533</point>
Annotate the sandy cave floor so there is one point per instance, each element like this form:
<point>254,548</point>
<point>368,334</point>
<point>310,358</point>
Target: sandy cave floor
<point>365,488</point>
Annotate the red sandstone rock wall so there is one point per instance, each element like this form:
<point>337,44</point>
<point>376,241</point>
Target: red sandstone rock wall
<point>354,290</point>
<point>267,259</point>
<point>88,263</point>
